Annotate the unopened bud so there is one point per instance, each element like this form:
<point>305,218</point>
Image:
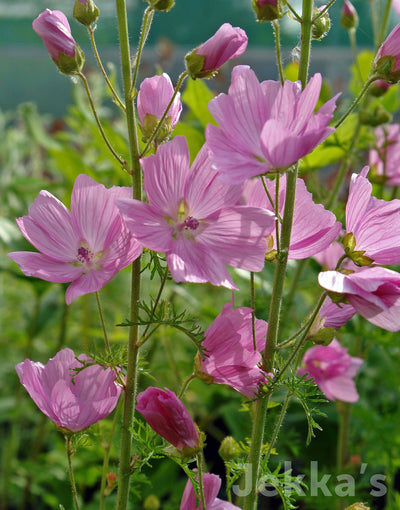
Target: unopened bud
<point>86,12</point>
<point>376,117</point>
<point>161,5</point>
<point>320,26</point>
<point>229,449</point>
<point>267,10</point>
<point>349,16</point>
<point>151,503</point>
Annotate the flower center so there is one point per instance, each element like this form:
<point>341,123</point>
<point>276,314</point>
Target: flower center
<point>191,223</point>
<point>84,255</point>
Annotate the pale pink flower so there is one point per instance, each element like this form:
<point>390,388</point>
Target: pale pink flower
<point>167,416</point>
<point>230,357</point>
<point>396,6</point>
<point>153,98</point>
<point>87,246</point>
<point>330,257</point>
<point>384,159</point>
<point>211,486</point>
<point>194,219</point>
<point>73,401</point>
<point>314,228</point>
<point>387,60</point>
<point>227,43</point>
<point>333,370</point>
<point>374,223</point>
<point>265,126</point>
<point>374,292</point>
<point>54,29</point>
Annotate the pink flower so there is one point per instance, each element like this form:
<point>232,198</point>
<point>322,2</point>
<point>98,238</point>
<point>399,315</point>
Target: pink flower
<point>396,6</point>
<point>333,370</point>
<point>73,401</point>
<point>335,316</point>
<point>384,160</point>
<point>374,223</point>
<point>387,60</point>
<point>153,98</point>
<point>374,292</point>
<point>349,16</point>
<point>265,126</point>
<point>330,257</point>
<point>314,228</point>
<point>167,416</point>
<point>54,29</point>
<point>194,219</point>
<point>211,486</point>
<point>227,43</point>
<point>230,357</point>
<point>87,246</point>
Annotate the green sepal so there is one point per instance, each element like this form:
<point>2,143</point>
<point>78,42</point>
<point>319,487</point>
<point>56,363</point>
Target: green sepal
<point>71,65</point>
<point>323,337</point>
<point>321,26</point>
<point>360,259</point>
<point>229,449</point>
<point>161,5</point>
<point>267,12</point>
<point>195,66</point>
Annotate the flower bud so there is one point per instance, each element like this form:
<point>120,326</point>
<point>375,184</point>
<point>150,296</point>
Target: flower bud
<point>387,60</point>
<point>86,12</point>
<point>153,98</point>
<point>376,117</point>
<point>267,10</point>
<point>151,503</point>
<point>54,29</point>
<point>161,5</point>
<point>228,42</point>
<point>349,16</point>
<point>321,26</point>
<point>229,449</point>
<point>378,88</point>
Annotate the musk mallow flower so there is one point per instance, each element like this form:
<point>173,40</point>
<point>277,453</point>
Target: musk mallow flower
<point>211,486</point>
<point>86,246</point>
<point>72,400</point>
<point>373,223</point>
<point>153,98</point>
<point>168,416</point>
<point>227,43</point>
<point>229,354</point>
<point>193,218</point>
<point>265,126</point>
<point>374,292</point>
<point>53,27</point>
<point>333,370</point>
<point>314,227</point>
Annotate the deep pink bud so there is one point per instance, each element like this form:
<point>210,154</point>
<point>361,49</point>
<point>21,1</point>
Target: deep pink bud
<point>333,370</point>
<point>267,10</point>
<point>54,29</point>
<point>349,16</point>
<point>72,401</point>
<point>228,42</point>
<point>387,59</point>
<point>166,414</point>
<point>153,98</point>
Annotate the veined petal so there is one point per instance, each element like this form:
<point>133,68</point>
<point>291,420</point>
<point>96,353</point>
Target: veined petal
<point>306,103</point>
<point>94,212</point>
<point>49,228</point>
<point>237,235</point>
<point>146,224</point>
<point>44,267</point>
<point>359,194</point>
<point>165,175</point>
<point>190,261</point>
<point>92,281</point>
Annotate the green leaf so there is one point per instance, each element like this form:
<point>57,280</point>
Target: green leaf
<point>196,97</point>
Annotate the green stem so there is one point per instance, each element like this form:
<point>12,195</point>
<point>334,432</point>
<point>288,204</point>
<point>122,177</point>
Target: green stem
<point>292,10</point>
<point>106,458</point>
<point>146,24</point>
<point>103,324</point>
<point>103,134</point>
<point>71,472</point>
<point>353,42</point>
<point>275,25</point>
<point>357,99</point>
<point>344,410</point>
<point>277,427</point>
<point>133,349</point>
<point>186,385</point>
<point>324,10</point>
<point>272,336</point>
<point>103,71</point>
<point>305,47</point>
<point>181,79</point>
<point>200,471</point>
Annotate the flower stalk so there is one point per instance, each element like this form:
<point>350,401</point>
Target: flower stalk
<point>69,450</point>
